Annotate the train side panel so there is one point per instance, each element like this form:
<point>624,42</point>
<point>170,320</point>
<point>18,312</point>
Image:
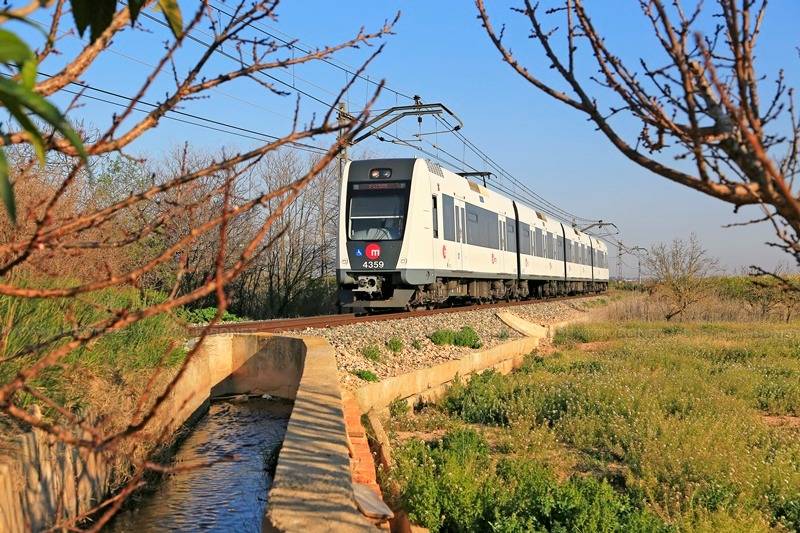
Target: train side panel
<point>412,233</point>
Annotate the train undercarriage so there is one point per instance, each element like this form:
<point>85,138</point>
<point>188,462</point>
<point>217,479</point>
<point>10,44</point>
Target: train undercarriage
<point>375,292</point>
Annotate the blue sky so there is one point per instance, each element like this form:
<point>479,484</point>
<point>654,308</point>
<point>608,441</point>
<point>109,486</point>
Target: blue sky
<point>441,52</point>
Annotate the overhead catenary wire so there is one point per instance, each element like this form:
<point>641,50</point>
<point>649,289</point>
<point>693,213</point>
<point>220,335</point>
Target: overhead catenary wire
<point>528,195</point>
<point>540,202</point>
<point>293,43</point>
<point>205,122</point>
<point>496,166</point>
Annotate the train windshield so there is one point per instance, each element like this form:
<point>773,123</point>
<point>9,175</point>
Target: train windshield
<point>377,213</point>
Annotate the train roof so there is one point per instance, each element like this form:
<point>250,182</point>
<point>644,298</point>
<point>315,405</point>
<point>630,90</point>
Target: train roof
<point>436,168</point>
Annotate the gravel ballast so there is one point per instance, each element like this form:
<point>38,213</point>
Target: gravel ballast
<point>357,345</point>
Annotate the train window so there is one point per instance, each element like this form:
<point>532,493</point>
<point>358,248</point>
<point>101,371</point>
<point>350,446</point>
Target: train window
<point>560,248</point>
<point>539,248</point>
<point>511,241</point>
<point>524,239</point>
<point>377,214</point>
<point>435,211</point>
<point>481,227</point>
<point>448,218</point>
<point>463,225</point>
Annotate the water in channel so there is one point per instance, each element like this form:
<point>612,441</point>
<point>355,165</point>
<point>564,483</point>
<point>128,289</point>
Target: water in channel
<point>230,495</point>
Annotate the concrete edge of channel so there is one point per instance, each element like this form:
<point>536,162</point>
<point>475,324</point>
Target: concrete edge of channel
<point>428,384</point>
<point>312,489</point>
<point>46,481</point>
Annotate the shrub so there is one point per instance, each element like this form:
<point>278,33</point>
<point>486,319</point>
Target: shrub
<point>366,375</point>
<point>416,344</point>
<point>395,345</point>
<point>467,337</point>
<point>371,352</point>
<point>205,315</point>
<point>420,494</point>
<point>503,335</point>
<point>441,337</point>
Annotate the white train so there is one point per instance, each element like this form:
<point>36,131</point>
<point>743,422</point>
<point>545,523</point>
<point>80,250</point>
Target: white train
<point>414,234</point>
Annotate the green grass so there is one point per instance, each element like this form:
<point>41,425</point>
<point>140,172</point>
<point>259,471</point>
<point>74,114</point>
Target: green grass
<point>395,345</point>
<point>143,345</point>
<point>416,344</point>
<point>371,352</point>
<point>366,375</point>
<point>466,337</point>
<point>665,421</point>
<point>455,484</point>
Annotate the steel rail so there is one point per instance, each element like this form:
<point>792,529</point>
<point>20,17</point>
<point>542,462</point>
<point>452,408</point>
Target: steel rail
<point>330,321</point>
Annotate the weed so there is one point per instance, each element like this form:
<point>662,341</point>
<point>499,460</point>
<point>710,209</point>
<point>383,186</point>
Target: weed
<point>672,329</point>
<point>371,352</point>
<point>454,485</point>
<point>442,337</point>
<point>399,408</point>
<point>395,345</point>
<point>503,335</point>
<point>485,399</point>
<point>366,375</point>
<point>416,344</point>
<point>467,337</point>
<point>205,315</point>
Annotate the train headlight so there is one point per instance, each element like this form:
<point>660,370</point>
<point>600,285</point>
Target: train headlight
<point>380,173</point>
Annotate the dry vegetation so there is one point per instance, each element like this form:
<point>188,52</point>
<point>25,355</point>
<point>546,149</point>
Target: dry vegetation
<point>721,299</point>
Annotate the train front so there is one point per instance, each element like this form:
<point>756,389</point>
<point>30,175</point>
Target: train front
<point>373,220</point>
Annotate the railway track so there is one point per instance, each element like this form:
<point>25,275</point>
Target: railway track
<point>328,321</point>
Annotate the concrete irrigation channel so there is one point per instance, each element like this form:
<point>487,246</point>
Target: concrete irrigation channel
<point>312,483</point>
<point>324,475</point>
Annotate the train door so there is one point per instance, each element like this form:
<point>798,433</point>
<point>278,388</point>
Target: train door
<point>461,237</point>
<point>501,228</point>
